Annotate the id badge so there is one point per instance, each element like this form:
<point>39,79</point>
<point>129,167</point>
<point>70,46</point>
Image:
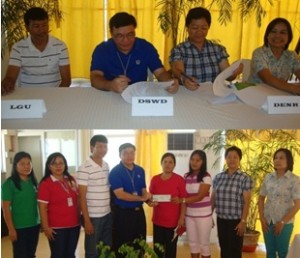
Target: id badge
<point>70,202</point>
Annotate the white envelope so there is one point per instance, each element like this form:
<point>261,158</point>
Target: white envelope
<point>161,197</point>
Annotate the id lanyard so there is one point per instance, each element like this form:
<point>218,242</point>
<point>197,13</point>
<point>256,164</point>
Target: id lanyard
<point>66,189</point>
<point>131,177</point>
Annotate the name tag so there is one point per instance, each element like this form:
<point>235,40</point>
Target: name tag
<point>29,108</point>
<point>152,106</point>
<point>282,105</point>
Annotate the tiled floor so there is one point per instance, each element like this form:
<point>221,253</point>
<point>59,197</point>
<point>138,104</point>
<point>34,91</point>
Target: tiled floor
<point>182,249</point>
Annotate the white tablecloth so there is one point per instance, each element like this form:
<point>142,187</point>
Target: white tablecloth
<point>88,108</point>
<point>294,251</point>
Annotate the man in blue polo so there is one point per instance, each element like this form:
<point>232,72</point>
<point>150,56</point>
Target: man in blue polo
<point>125,59</point>
<point>128,185</point>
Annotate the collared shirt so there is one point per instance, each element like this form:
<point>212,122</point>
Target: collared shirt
<point>229,190</point>
<point>202,64</point>
<point>23,203</point>
<point>132,181</point>
<point>39,68</point>
<point>113,63</point>
<point>61,200</point>
<point>263,58</point>
<point>95,177</point>
<point>280,195</point>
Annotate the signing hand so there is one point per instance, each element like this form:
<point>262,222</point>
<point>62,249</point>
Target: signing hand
<point>120,83</point>
<point>190,83</point>
<point>174,87</point>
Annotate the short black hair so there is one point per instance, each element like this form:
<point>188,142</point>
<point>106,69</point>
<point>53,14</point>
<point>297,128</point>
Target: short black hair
<point>234,148</point>
<point>98,138</point>
<point>122,19</point>
<point>196,14</point>
<point>35,14</point>
<point>125,146</point>
<point>272,24</point>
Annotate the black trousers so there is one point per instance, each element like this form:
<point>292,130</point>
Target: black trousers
<point>129,224</point>
<point>164,236</point>
<point>230,243</point>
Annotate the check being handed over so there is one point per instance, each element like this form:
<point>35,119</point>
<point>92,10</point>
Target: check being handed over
<point>161,197</point>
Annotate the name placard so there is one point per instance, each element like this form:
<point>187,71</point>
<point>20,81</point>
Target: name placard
<point>152,106</point>
<point>29,108</point>
<point>282,105</point>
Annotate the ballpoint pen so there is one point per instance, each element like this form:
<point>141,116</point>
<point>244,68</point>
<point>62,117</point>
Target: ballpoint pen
<point>190,78</point>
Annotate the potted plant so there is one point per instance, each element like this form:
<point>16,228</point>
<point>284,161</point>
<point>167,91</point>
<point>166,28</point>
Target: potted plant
<point>258,147</point>
<point>12,24</point>
<point>129,251</point>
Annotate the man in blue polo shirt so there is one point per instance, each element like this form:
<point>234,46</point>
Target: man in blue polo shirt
<point>128,185</point>
<point>125,59</point>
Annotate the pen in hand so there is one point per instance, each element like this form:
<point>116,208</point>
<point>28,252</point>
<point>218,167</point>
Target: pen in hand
<point>190,78</point>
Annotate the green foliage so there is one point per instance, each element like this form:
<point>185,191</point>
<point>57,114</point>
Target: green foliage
<point>258,147</point>
<point>173,12</point>
<point>12,24</point>
<point>128,250</point>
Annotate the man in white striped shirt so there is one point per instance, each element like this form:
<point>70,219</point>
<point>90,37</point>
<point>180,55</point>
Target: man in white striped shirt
<point>94,195</point>
<point>39,60</point>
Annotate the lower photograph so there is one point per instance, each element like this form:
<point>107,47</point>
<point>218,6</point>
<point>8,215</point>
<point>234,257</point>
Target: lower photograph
<point>93,193</point>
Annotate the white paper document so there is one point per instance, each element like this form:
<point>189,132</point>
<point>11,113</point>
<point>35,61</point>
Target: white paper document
<point>221,86</point>
<point>255,96</point>
<point>146,89</point>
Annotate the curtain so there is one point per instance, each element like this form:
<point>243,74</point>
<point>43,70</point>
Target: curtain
<point>150,145</point>
<point>85,25</point>
<point>82,29</point>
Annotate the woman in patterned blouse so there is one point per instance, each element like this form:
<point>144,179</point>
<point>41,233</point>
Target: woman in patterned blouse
<point>273,63</point>
<point>279,201</point>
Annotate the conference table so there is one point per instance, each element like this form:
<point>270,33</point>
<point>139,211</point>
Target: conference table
<point>89,108</point>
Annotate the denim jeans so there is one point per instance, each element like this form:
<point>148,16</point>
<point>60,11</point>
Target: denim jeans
<point>278,245</point>
<point>102,232</point>
<point>25,246</point>
<point>65,242</point>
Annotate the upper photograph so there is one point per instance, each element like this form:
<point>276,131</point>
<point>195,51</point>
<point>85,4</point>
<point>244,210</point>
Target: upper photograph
<point>150,64</point>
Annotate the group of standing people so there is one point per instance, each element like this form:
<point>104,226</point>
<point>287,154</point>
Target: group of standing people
<point>125,59</point>
<point>109,204</point>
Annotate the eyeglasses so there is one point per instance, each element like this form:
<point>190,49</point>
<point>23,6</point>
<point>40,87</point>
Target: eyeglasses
<point>120,37</point>
<point>60,164</point>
